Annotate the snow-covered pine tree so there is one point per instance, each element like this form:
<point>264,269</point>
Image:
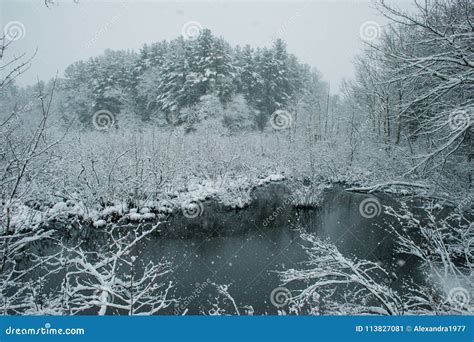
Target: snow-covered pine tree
<point>106,82</point>
<point>173,78</point>
<point>276,88</point>
<point>78,96</point>
<point>282,74</point>
<point>249,78</point>
<point>148,68</point>
<point>211,68</point>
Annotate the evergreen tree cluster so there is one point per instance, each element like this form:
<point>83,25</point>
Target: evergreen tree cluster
<point>166,78</point>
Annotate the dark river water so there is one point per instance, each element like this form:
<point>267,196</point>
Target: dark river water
<point>244,248</point>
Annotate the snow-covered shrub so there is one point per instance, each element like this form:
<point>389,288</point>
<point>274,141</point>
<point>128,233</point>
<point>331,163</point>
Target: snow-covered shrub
<point>445,246</point>
<point>110,282</point>
<point>332,283</point>
<point>336,284</point>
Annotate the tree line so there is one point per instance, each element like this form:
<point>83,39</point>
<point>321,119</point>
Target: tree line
<point>163,79</point>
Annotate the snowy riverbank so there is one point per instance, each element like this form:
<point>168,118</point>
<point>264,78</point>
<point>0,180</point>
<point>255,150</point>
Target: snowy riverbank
<point>232,193</point>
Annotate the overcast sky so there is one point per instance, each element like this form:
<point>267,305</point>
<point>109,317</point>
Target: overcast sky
<point>324,34</point>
